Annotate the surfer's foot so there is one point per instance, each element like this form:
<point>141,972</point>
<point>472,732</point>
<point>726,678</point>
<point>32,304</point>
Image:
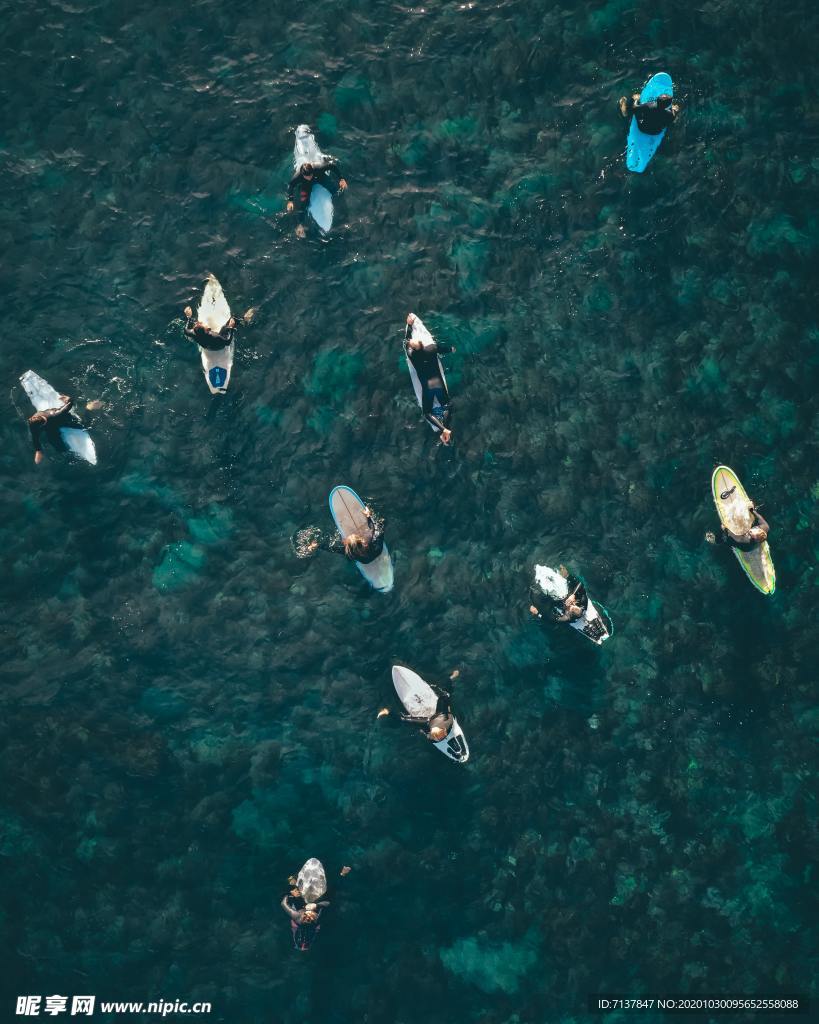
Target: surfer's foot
<point>345,871</point>
<point>38,458</point>
<point>300,232</point>
<point>446,436</point>
<point>709,536</point>
<point>249,315</point>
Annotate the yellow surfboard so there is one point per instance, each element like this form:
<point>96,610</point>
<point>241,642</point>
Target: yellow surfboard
<point>734,514</point>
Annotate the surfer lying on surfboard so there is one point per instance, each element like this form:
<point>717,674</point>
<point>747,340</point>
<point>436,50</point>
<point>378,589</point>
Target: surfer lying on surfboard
<point>652,117</point>
<point>301,185</point>
<point>50,421</point>
<point>435,726</point>
<point>424,358</point>
<point>214,341</point>
<point>755,535</point>
<point>569,609</point>
<point>357,547</point>
<point>305,911</point>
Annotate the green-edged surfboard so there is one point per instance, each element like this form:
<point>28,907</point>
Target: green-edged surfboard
<point>734,514</point>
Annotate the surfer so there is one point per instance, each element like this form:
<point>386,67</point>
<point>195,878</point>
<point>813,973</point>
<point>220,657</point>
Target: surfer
<point>653,116</point>
<point>424,358</point>
<point>304,915</point>
<point>214,341</point>
<point>436,727</point>
<point>753,537</point>
<point>50,421</point>
<point>363,548</point>
<point>569,609</point>
<point>301,185</point>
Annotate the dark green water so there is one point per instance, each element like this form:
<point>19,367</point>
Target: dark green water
<point>188,710</point>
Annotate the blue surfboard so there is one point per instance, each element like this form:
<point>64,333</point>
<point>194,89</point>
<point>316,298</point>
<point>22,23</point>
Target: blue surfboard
<point>348,514</point>
<point>640,147</point>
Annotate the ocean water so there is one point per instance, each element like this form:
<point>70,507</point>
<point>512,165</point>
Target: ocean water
<point>188,709</point>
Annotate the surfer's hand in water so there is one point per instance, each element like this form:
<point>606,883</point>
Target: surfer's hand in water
<point>410,318</point>
<point>383,713</point>
<point>455,674</point>
<point>446,435</point>
<point>38,458</point>
<point>289,205</point>
<point>342,185</point>
<point>291,880</point>
<point>533,610</point>
<point>709,536</point>
<point>300,231</point>
<point>188,312</point>
<point>345,871</point>
<point>249,315</point>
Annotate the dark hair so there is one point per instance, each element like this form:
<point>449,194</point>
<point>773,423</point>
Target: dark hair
<point>664,99</point>
<point>307,168</point>
<point>200,330</point>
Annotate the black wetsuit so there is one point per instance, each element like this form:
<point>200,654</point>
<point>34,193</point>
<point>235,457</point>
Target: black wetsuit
<point>304,934</point>
<point>652,118</point>
<point>60,416</point>
<point>376,545</point>
<point>725,537</point>
<point>433,386</point>
<point>208,339</point>
<point>299,189</point>
<point>544,603</point>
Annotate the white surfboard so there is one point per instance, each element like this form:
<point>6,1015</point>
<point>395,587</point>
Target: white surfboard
<point>43,396</point>
<point>306,151</point>
<point>312,881</point>
<point>214,313</point>
<point>420,333</point>
<point>420,701</point>
<point>348,514</point>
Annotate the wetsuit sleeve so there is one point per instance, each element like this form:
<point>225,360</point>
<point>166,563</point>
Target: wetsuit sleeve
<point>291,188</point>
<point>36,428</point>
<point>376,528</point>
<point>292,914</point>
<point>544,605</point>
<point>189,328</point>
<point>228,334</point>
<point>760,521</point>
<point>335,545</point>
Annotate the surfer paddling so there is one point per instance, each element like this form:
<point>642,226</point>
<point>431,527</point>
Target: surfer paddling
<point>302,182</point>
<point>652,117</point>
<point>362,547</point>
<point>435,402</point>
<point>572,606</point>
<point>753,537</point>
<point>49,421</point>
<point>304,912</point>
<point>212,340</point>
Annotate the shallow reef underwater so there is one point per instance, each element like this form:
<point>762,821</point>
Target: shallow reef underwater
<point>189,707</point>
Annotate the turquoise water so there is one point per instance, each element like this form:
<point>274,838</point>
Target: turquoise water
<point>188,709</point>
